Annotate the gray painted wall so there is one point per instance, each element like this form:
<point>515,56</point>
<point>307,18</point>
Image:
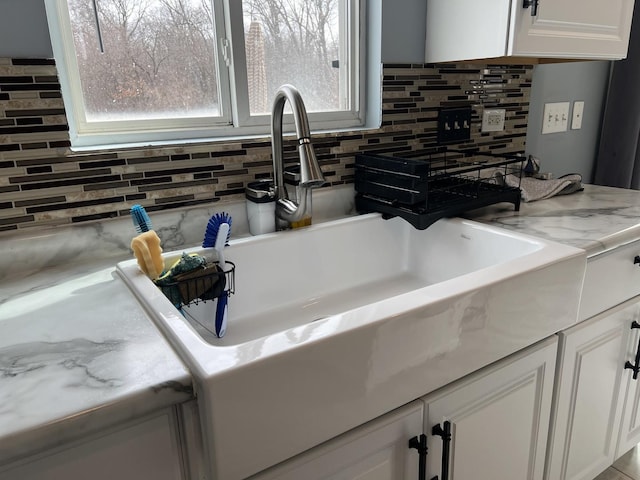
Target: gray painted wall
<point>23,29</point>
<point>24,33</point>
<point>403,31</point>
<point>573,151</point>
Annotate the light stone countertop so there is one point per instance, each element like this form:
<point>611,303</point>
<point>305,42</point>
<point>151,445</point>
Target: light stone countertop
<point>597,219</point>
<point>78,353</point>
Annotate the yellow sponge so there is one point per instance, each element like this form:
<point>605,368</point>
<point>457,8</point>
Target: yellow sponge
<point>146,248</point>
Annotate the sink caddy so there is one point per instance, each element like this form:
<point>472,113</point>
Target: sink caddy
<point>204,284</point>
<point>200,285</point>
<point>442,183</point>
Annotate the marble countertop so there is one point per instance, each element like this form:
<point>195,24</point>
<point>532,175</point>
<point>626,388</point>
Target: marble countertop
<point>596,219</point>
<point>78,353</point>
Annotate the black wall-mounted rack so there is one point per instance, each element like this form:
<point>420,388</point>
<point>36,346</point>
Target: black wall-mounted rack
<point>441,183</point>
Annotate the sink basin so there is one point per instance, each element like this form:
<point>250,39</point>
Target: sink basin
<point>333,325</point>
<point>293,279</point>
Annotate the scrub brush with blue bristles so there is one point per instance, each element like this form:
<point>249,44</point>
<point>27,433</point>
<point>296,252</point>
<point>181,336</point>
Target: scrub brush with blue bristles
<point>214,226</point>
<point>141,219</point>
<point>216,235</point>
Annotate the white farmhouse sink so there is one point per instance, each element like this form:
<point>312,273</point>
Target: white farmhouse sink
<point>338,323</point>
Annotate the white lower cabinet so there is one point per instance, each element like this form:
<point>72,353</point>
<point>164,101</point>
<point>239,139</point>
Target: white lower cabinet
<point>629,435</point>
<point>378,450</point>
<point>498,419</point>
<point>596,404</point>
<point>148,448</point>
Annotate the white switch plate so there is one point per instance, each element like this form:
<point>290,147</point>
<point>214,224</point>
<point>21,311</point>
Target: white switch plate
<point>493,120</point>
<point>576,120</point>
<point>555,118</point>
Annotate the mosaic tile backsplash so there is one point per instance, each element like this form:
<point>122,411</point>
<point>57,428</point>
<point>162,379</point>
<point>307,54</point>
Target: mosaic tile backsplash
<point>44,183</point>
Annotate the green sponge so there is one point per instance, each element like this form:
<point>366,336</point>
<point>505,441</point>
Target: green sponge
<point>173,284</point>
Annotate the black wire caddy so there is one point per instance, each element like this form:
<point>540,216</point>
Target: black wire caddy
<point>204,283</point>
<point>442,183</point>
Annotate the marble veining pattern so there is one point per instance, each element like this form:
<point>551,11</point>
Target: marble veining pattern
<point>77,353</point>
<point>598,219</point>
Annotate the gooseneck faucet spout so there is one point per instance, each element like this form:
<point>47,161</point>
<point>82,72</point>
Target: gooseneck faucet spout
<point>288,210</point>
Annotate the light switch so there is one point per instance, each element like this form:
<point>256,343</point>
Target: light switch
<point>555,117</point>
<point>578,110</point>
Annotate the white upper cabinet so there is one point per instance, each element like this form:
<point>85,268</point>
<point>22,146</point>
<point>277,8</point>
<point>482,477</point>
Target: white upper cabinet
<point>572,29</point>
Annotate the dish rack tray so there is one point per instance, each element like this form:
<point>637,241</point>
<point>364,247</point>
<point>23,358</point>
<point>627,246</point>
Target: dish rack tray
<point>446,183</point>
<point>200,285</point>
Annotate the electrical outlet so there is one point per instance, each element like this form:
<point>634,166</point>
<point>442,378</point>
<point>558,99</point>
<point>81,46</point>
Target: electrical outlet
<point>555,117</point>
<point>454,124</point>
<point>493,120</point>
<point>576,120</point>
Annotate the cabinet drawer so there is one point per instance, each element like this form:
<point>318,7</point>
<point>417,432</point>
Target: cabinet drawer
<point>610,279</point>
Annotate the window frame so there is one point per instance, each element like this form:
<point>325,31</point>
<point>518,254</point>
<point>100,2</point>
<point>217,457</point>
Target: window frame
<point>235,121</point>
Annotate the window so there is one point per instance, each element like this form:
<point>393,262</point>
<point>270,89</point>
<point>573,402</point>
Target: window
<point>154,71</point>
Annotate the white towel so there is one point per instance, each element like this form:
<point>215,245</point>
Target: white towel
<point>537,189</point>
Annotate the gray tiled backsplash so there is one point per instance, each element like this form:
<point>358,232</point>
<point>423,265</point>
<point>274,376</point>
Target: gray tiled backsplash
<point>43,183</point>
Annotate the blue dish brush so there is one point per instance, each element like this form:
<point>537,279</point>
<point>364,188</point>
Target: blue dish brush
<point>213,228</point>
<point>141,219</point>
<point>217,235</point>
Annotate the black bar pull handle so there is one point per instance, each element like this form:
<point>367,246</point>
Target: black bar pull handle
<point>634,367</point>
<point>533,4</point>
<point>636,259</point>
<point>443,431</point>
<point>420,444</point>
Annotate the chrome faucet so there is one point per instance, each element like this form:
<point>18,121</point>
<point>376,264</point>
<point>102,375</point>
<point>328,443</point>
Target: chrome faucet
<point>287,210</point>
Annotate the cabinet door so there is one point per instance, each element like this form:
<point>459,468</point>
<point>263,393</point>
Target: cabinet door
<point>144,449</point>
<point>499,418</point>
<point>572,28</point>
<point>378,450</point>
<point>630,425</point>
<point>589,396</point>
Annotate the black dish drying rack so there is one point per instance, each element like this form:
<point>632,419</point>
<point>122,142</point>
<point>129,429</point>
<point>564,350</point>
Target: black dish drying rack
<point>442,183</point>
